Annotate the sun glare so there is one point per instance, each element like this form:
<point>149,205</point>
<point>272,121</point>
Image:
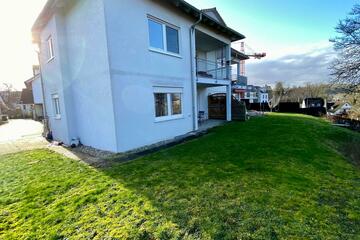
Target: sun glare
<point>16,48</point>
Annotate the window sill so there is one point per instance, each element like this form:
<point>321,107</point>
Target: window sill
<point>164,52</point>
<point>50,59</point>
<point>57,117</point>
<point>168,118</point>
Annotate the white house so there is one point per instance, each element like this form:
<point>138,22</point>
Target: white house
<point>26,104</point>
<point>342,109</point>
<point>123,74</point>
<point>34,83</point>
<point>263,95</point>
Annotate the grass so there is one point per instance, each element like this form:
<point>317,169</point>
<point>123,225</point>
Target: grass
<point>277,177</point>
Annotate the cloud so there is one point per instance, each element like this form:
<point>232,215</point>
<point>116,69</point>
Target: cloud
<point>296,68</point>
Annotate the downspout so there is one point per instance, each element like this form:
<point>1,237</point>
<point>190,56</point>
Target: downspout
<point>193,70</point>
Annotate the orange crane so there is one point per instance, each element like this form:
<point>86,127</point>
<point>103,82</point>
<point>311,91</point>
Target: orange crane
<point>248,51</point>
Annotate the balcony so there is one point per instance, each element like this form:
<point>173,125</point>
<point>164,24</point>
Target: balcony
<point>212,60</point>
<point>213,70</point>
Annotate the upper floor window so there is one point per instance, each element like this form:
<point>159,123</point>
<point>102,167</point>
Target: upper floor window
<point>163,36</point>
<point>50,47</point>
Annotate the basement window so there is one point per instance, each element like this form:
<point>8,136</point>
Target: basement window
<point>168,103</point>
<point>56,106</point>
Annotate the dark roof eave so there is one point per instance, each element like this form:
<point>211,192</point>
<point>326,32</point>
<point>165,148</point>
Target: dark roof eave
<point>33,78</point>
<point>44,16</point>
<point>207,20</point>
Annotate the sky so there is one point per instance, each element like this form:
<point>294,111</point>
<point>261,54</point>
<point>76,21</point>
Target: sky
<point>294,34</point>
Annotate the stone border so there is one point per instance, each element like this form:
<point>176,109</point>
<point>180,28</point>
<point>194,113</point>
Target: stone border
<point>140,152</point>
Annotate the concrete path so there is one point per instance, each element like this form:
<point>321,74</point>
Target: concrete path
<point>21,134</point>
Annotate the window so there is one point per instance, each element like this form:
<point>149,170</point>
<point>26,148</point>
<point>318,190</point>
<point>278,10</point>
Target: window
<point>163,37</point>
<point>168,103</point>
<point>56,106</point>
<point>172,39</point>
<point>175,103</point>
<point>50,48</point>
<point>161,106</point>
<point>156,34</point>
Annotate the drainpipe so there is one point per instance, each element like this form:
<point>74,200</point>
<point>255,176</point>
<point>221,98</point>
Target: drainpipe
<point>193,71</point>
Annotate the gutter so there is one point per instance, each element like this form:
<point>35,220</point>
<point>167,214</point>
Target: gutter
<point>193,70</point>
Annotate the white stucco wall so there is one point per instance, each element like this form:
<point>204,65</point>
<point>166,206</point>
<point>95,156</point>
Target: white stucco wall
<point>79,74</point>
<point>53,81</point>
<point>202,100</point>
<point>27,110</point>
<point>89,76</point>
<point>135,70</point>
<point>37,90</point>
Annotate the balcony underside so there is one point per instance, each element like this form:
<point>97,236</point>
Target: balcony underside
<point>212,81</point>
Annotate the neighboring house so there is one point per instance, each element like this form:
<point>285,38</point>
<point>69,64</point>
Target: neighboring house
<point>263,95</point>
<point>341,109</point>
<point>35,85</point>
<point>251,93</point>
<point>119,75</point>
<point>27,103</point>
<point>313,102</point>
<point>11,98</point>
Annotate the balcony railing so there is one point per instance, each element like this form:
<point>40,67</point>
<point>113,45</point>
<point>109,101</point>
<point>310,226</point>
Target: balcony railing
<point>214,70</point>
<point>239,79</point>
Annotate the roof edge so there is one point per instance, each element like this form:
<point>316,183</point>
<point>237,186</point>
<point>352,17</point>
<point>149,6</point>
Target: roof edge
<point>189,9</point>
<point>207,20</point>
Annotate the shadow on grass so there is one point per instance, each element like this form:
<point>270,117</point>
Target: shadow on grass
<point>269,178</point>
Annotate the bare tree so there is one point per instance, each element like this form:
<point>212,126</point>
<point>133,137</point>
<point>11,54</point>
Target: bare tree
<point>299,93</point>
<point>275,95</point>
<point>346,68</point>
<point>8,97</point>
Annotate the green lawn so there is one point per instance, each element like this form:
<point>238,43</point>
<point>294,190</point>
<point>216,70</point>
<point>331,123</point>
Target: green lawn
<point>276,177</point>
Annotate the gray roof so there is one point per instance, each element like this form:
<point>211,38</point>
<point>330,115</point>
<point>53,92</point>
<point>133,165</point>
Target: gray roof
<point>182,5</point>
<point>206,20</point>
<point>214,11</point>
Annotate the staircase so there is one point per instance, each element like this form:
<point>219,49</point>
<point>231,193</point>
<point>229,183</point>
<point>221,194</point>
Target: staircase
<point>238,110</point>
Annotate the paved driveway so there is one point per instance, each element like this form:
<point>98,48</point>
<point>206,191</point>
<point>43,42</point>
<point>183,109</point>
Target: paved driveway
<point>18,135</point>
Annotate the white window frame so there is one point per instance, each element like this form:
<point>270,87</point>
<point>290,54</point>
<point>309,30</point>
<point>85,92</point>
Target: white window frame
<point>50,48</point>
<point>164,25</point>
<point>168,91</point>
<point>56,105</point>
